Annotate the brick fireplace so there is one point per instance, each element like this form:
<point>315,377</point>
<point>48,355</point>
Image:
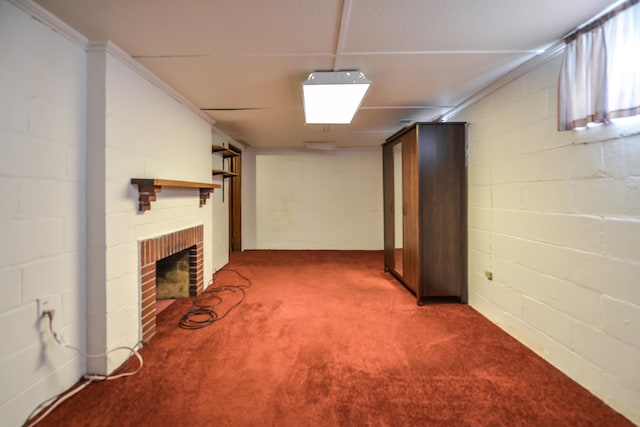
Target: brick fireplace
<point>154,249</point>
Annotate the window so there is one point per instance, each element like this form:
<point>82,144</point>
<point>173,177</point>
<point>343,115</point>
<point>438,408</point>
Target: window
<point>600,75</point>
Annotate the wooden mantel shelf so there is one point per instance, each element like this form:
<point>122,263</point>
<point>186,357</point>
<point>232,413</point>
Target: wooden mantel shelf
<point>148,187</point>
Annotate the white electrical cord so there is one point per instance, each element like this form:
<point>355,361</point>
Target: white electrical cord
<point>33,419</point>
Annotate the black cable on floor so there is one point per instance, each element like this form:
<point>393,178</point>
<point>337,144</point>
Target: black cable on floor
<point>203,310</point>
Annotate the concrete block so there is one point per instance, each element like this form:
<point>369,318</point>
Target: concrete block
<point>123,291</point>
<point>552,165</point>
<point>517,223</point>
<point>32,368</point>
<point>608,352</point>
<point>511,169</point>
<point>510,94</point>
<point>117,260</point>
<point>621,397</point>
<point>547,259</point>
<point>507,196</point>
<point>40,199</point>
<point>479,261</point>
<point>525,333</point>
<point>51,276</point>
<point>122,165</point>
<point>576,161</point>
<point>506,247</point>
<point>9,193</point>
<point>14,107</point>
<point>478,173</point>
<point>479,240</point>
<point>548,320</point>
<point>20,329</point>
<point>573,300</point>
<point>617,278</point>
<point>31,157</point>
<point>578,368</point>
<point>526,281</point>
<point>479,218</point>
<point>31,240</point>
<point>586,161</point>
<point>530,108</point>
<point>60,120</point>
<point>574,231</point>
<point>622,157</point>
<point>622,320</point>
<point>11,279</point>
<point>74,234</point>
<point>479,196</point>
<point>621,238</point>
<point>479,144</point>
<point>508,143</point>
<point>606,196</point>
<point>549,196</point>
<point>479,135</point>
<point>10,378</point>
<point>502,296</point>
<point>122,197</point>
<point>118,229</point>
<point>542,136</point>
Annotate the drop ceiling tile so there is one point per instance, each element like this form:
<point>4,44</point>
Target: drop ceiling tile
<point>438,80</point>
<point>197,27</point>
<point>244,82</point>
<point>418,25</point>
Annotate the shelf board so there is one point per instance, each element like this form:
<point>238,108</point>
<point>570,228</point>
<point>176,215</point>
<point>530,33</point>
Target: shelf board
<point>226,152</point>
<point>224,173</point>
<point>149,187</point>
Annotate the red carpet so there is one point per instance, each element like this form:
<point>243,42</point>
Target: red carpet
<point>326,338</point>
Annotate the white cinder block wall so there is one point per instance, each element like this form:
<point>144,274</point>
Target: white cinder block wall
<point>43,210</point>
<point>314,199</point>
<point>147,134</point>
<point>556,217</point>
<point>55,186</point>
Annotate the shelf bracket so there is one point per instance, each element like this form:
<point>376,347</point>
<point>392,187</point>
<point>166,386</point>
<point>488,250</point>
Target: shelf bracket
<point>148,188</point>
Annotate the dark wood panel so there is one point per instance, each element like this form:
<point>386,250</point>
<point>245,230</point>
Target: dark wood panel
<point>410,230</point>
<point>441,158</point>
<point>388,198</point>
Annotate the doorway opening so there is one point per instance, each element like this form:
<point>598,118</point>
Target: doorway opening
<point>235,201</point>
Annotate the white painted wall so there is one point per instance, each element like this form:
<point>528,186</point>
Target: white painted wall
<point>314,199</point>
<point>69,224</point>
<point>147,134</point>
<point>557,220</point>
<point>42,214</point>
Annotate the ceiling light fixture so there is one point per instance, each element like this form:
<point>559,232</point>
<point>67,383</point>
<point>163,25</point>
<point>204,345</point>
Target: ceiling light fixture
<point>333,97</point>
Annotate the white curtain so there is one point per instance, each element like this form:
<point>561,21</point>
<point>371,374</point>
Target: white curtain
<point>600,75</point>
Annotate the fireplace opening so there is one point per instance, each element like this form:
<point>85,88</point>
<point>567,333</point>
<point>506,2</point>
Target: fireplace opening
<point>188,240</point>
<point>172,276</point>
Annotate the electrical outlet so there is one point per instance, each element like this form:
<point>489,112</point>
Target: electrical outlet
<point>44,304</point>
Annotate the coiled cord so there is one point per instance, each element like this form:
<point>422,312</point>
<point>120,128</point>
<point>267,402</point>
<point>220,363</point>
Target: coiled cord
<point>203,311</point>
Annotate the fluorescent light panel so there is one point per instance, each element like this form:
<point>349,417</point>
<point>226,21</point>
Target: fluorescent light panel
<point>333,97</point>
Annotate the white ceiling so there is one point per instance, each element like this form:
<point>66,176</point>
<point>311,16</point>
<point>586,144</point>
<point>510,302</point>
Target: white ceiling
<point>423,56</point>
